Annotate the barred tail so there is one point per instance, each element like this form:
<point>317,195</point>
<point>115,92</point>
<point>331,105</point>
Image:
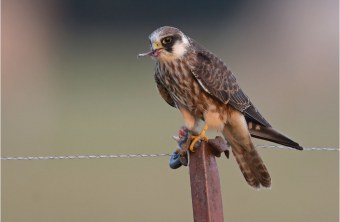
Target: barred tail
<point>248,159</point>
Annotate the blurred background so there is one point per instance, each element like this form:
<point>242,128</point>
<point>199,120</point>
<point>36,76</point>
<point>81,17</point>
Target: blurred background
<point>72,85</point>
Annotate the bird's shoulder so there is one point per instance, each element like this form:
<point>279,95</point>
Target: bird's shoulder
<point>214,75</point>
<point>217,79</point>
<point>204,62</point>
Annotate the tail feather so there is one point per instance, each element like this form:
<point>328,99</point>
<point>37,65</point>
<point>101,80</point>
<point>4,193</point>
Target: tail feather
<point>249,161</point>
<point>269,134</point>
<point>253,168</point>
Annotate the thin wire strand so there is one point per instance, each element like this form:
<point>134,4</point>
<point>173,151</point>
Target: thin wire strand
<point>144,155</point>
<point>84,157</point>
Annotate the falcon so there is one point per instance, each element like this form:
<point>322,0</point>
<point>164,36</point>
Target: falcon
<point>202,88</point>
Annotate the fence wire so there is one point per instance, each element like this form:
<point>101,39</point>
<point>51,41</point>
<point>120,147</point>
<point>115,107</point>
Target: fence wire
<point>72,157</point>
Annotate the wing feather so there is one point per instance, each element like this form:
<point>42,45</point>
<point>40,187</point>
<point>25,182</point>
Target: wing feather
<point>217,80</point>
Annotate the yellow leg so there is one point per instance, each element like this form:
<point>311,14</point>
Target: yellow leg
<point>200,136</point>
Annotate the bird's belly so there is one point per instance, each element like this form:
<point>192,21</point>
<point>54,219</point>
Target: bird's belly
<point>201,105</point>
<point>215,119</point>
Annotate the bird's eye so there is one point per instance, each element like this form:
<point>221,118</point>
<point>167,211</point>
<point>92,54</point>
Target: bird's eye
<point>167,40</point>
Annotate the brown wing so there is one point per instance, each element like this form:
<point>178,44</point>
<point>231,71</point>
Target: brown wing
<point>217,80</point>
<point>162,90</point>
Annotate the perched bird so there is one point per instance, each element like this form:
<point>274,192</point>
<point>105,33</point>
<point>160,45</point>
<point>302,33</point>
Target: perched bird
<point>200,85</point>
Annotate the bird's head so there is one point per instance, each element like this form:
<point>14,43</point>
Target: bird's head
<point>167,43</point>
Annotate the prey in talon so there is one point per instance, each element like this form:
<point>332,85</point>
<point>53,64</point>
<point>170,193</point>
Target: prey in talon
<point>201,86</point>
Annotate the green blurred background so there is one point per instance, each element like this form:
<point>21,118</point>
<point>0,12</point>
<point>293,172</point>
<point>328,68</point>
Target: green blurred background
<point>72,85</point>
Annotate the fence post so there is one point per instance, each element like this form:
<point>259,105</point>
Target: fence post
<point>205,185</point>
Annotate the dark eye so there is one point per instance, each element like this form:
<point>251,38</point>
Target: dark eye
<point>167,40</point>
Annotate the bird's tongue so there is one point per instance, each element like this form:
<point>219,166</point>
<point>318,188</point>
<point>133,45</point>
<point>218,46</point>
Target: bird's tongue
<point>153,53</point>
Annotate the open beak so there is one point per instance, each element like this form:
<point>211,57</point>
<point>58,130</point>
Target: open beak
<point>156,47</point>
<point>153,53</point>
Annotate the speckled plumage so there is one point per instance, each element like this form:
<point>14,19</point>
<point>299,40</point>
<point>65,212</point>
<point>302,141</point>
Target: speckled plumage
<point>202,87</point>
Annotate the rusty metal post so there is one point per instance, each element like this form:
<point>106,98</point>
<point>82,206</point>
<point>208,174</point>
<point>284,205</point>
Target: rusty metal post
<point>205,185</point>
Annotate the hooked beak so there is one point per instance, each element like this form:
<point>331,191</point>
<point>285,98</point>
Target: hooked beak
<point>156,47</point>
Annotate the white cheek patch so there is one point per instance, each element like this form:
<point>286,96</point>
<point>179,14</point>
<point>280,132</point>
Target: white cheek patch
<point>185,40</point>
<point>180,48</point>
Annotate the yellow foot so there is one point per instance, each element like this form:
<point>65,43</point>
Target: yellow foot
<point>201,136</point>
